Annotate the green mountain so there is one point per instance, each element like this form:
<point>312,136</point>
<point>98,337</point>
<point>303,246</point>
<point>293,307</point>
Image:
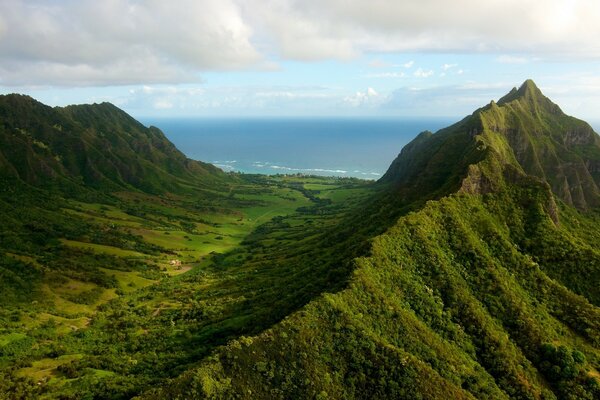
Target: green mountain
<point>527,130</point>
<point>123,264</point>
<point>470,270</point>
<point>484,284</point>
<point>82,148</point>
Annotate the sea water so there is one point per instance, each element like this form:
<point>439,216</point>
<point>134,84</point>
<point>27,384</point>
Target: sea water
<point>351,147</point>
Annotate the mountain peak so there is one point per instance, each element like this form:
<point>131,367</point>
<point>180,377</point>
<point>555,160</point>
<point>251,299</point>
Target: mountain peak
<point>525,131</point>
<point>528,90</point>
<point>529,85</point>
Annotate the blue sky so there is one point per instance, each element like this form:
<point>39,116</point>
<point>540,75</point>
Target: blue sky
<point>309,58</point>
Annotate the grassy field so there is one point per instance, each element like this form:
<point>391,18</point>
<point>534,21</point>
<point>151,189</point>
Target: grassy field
<point>149,264</point>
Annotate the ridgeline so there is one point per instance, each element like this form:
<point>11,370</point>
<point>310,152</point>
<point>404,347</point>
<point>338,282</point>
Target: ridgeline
<point>485,285</point>
<point>469,271</point>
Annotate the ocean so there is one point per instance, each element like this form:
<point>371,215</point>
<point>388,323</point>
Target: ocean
<point>347,147</point>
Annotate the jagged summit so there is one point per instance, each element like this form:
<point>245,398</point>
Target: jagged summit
<point>527,89</point>
<point>528,95</point>
<point>524,130</point>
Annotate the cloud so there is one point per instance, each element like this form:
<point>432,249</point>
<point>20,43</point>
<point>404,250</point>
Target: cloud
<point>162,97</point>
<point>446,67</point>
<point>239,100</point>
<point>88,42</point>
<point>578,94</point>
<point>368,98</point>
<point>408,64</point>
<point>447,100</point>
<point>122,42</point>
<point>377,63</point>
<point>315,29</point>
<point>421,73</point>
<point>386,75</point>
<point>507,59</point>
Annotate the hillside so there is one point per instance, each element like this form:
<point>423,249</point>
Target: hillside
<point>82,148</point>
<point>465,272</point>
<point>122,263</point>
<point>527,130</point>
<point>485,286</point>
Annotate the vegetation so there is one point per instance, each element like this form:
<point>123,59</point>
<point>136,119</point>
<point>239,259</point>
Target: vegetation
<point>469,271</point>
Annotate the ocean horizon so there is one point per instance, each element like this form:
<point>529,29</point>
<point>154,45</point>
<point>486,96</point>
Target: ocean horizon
<point>360,147</point>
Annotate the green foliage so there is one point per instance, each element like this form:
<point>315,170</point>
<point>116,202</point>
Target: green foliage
<point>78,150</point>
<point>464,293</point>
<point>460,275</point>
<point>560,363</point>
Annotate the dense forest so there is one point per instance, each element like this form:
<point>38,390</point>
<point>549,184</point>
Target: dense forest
<point>470,270</point>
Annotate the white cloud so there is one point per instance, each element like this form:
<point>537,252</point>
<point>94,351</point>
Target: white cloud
<point>387,75</point>
<point>369,98</point>
<point>163,105</point>
<point>507,59</point>
<point>446,67</point>
<point>162,97</point>
<point>89,42</point>
<point>119,42</point>
<point>450,100</point>
<point>314,29</point>
<point>421,73</point>
<point>239,100</point>
<point>377,63</point>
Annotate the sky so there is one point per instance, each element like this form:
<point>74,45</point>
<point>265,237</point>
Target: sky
<point>222,58</point>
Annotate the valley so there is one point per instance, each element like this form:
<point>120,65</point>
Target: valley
<point>146,259</point>
<point>469,270</point>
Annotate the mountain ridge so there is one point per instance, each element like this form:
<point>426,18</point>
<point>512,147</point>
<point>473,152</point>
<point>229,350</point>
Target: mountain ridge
<point>465,272</point>
<point>96,146</point>
<point>526,130</point>
<point>483,287</point>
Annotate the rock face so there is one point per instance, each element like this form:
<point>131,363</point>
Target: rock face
<point>523,129</point>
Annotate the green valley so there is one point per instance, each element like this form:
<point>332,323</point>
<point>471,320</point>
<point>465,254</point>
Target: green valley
<point>470,270</point>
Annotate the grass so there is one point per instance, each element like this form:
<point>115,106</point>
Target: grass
<point>129,281</point>
<point>100,248</point>
<point>227,248</point>
<point>10,337</point>
<point>45,368</point>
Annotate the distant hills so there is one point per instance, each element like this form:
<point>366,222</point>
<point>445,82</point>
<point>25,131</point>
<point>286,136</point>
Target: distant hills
<point>80,148</point>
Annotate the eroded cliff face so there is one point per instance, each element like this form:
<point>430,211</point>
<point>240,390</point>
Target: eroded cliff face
<point>476,182</point>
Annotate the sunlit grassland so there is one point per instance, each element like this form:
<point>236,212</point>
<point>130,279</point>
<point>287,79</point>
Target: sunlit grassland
<point>46,367</point>
<point>100,248</point>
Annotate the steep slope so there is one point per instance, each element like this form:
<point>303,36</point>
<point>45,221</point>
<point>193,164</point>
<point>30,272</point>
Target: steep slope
<point>527,130</point>
<point>488,290</point>
<point>80,148</point>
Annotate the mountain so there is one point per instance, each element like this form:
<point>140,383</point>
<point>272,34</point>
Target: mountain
<point>80,148</point>
<point>483,283</point>
<point>526,130</point>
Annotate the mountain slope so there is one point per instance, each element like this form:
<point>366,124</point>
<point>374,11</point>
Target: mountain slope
<point>90,147</point>
<point>489,291</point>
<point>527,130</point>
